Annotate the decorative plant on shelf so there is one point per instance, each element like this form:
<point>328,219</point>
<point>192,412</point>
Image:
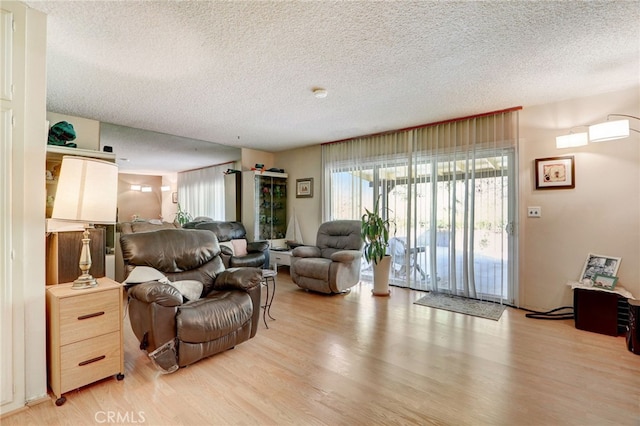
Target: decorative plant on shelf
<point>375,233</point>
<point>182,216</point>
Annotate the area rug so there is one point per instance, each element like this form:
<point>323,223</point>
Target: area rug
<point>462,305</point>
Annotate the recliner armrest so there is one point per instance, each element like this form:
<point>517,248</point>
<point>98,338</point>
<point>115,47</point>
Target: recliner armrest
<point>306,251</point>
<point>257,246</point>
<point>156,292</point>
<point>346,256</point>
<point>238,279</point>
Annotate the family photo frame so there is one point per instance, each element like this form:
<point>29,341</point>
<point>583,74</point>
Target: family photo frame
<point>600,266</point>
<point>605,281</point>
<point>555,173</point>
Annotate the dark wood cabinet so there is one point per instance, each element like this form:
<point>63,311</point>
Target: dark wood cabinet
<point>63,255</point>
<point>599,311</point>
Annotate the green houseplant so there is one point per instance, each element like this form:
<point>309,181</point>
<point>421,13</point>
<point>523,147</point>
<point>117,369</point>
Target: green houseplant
<point>182,216</point>
<point>375,233</point>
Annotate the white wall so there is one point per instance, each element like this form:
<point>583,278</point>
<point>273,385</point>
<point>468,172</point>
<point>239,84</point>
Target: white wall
<point>601,215</point>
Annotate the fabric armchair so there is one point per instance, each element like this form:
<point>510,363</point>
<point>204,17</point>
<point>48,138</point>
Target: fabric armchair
<point>222,313</point>
<point>333,265</point>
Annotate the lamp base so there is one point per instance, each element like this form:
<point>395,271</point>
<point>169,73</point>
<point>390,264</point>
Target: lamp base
<point>83,282</point>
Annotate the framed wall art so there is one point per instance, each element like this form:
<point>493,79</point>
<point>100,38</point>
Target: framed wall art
<point>304,188</point>
<point>555,173</point>
<point>598,264</point>
<point>174,197</point>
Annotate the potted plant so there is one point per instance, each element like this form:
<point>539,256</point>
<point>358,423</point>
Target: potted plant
<point>375,233</point>
<point>182,217</point>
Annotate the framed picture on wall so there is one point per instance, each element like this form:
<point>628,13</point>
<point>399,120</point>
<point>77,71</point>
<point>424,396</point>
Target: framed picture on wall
<point>555,173</point>
<point>174,197</point>
<point>304,188</point>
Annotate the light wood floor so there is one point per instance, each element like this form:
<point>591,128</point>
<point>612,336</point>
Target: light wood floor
<point>356,359</point>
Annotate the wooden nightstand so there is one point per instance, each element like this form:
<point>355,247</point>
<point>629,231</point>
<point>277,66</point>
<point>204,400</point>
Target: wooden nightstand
<point>84,335</point>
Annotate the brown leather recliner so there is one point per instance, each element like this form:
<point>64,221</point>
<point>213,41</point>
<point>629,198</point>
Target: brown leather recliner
<point>227,312</point>
<point>254,253</point>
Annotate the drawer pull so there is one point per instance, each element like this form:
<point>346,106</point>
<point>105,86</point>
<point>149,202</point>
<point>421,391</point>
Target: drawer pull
<point>89,361</point>
<point>95,314</point>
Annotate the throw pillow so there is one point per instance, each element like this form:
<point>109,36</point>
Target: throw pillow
<point>190,289</point>
<point>142,274</point>
<point>239,247</point>
<point>227,244</point>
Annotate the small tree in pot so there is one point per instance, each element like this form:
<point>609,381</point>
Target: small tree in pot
<point>183,217</point>
<point>375,233</point>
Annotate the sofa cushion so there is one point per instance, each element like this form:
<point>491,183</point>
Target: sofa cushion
<point>228,244</point>
<point>313,267</point>
<point>190,289</point>
<point>239,247</point>
<point>142,274</point>
<point>202,321</point>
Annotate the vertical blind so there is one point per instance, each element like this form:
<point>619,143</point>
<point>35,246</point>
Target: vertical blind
<point>449,189</point>
<point>201,191</point>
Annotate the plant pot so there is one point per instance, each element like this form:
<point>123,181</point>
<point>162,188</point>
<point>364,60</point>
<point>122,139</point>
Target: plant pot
<point>381,277</point>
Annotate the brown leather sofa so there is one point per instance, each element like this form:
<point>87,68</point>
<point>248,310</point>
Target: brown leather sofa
<point>230,233</point>
<point>227,312</point>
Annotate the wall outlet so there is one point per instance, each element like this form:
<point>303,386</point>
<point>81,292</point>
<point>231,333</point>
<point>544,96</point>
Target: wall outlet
<point>534,211</point>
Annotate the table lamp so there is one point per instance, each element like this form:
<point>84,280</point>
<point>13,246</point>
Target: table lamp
<point>87,192</point>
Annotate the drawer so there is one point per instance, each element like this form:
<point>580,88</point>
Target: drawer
<point>88,315</point>
<point>281,258</point>
<point>90,360</point>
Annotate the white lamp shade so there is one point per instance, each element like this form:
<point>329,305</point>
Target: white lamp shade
<point>87,191</point>
<point>572,140</point>
<point>609,130</point>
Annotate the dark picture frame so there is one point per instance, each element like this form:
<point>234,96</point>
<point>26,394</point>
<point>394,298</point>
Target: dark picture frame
<point>304,188</point>
<point>555,172</point>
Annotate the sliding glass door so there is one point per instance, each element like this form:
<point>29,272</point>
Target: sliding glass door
<point>452,204</point>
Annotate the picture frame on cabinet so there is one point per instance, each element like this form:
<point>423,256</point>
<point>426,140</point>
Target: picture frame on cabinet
<point>304,188</point>
<point>599,265</point>
<point>606,282</point>
<point>555,173</point>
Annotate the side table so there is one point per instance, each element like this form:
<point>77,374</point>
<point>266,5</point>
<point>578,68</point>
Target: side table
<point>84,335</point>
<point>279,257</point>
<point>268,278</point>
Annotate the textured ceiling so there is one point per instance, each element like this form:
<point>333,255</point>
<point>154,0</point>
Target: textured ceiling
<point>241,73</point>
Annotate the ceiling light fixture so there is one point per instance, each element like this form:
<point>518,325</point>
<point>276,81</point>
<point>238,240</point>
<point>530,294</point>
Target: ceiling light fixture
<point>146,189</point>
<point>136,187</point>
<point>165,188</point>
<point>320,93</point>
